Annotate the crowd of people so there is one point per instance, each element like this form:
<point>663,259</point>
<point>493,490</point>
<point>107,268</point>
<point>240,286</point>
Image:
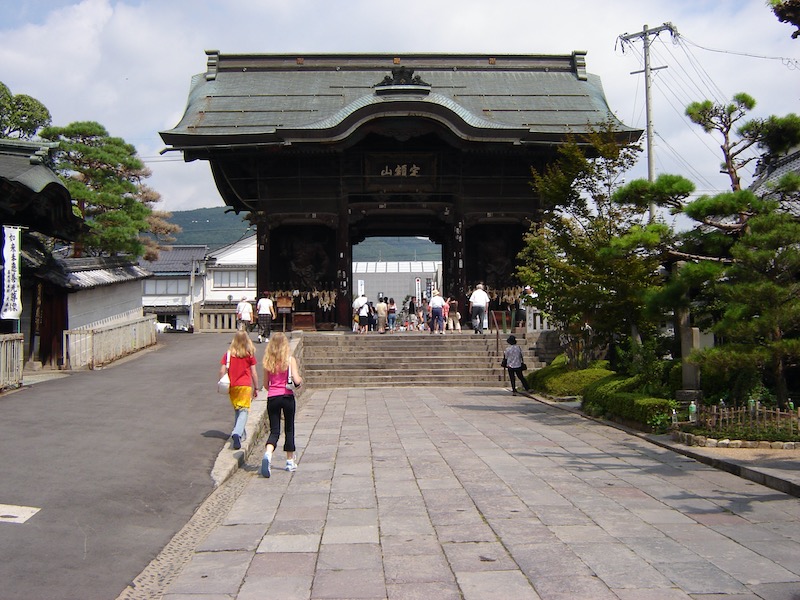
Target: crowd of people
<point>436,314</point>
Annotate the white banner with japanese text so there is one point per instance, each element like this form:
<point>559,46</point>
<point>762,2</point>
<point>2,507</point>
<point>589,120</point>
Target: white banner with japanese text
<point>12,294</point>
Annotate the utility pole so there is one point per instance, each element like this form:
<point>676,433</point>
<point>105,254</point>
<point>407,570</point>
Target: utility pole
<point>645,34</point>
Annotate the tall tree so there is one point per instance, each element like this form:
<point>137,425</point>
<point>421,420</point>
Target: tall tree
<point>21,116</point>
<point>104,177</point>
<point>724,119</point>
<point>592,260</point>
<point>742,261</point>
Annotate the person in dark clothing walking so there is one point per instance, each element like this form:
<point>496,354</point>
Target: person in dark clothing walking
<point>512,360</point>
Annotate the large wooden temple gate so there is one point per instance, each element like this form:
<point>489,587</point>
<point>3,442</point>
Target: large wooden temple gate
<point>324,151</point>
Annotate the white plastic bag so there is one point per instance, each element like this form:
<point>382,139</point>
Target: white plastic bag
<point>224,383</point>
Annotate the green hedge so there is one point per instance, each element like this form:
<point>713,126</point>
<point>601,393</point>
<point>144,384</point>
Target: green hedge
<point>616,396</point>
<point>557,379</point>
<point>604,393</point>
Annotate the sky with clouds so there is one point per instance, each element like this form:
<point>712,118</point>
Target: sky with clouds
<point>128,64</point>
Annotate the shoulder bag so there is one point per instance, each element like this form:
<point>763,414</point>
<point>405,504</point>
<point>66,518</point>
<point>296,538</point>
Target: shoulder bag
<point>224,383</point>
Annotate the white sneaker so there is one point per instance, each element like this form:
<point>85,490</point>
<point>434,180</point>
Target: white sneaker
<point>259,339</point>
<point>266,471</point>
<point>291,466</point>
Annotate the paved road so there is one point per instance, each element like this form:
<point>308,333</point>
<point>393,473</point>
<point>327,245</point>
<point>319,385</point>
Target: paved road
<point>117,460</point>
<point>443,493</point>
<point>401,493</point>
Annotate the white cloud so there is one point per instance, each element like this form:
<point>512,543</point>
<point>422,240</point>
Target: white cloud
<point>128,63</point>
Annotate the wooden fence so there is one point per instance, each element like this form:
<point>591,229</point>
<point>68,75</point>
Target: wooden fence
<point>753,418</point>
<point>93,348</point>
<point>11,360</point>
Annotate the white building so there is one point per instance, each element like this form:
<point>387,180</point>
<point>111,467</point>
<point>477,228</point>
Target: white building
<point>188,277</point>
<point>177,285</point>
<point>230,273</point>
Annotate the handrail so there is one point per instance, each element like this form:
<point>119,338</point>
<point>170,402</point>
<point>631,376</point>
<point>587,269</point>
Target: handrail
<point>493,317</point>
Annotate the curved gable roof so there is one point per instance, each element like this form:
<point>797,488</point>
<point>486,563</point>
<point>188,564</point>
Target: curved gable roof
<point>31,194</point>
<point>279,99</point>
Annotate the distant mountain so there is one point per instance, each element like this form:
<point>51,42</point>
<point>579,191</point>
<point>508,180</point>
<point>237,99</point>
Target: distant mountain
<point>215,228</point>
<point>210,226</point>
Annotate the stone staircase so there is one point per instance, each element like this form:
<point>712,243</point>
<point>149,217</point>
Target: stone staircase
<point>336,360</point>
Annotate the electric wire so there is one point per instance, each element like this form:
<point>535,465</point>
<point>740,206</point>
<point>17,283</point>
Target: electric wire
<point>685,86</point>
<point>792,64</point>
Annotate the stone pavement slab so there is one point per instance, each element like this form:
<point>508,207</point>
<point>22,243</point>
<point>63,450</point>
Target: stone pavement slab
<point>472,493</point>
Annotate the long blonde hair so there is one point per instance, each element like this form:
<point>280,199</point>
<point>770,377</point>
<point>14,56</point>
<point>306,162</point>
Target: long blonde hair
<point>242,345</point>
<point>276,357</point>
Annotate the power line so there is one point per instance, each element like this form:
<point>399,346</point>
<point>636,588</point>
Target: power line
<point>790,63</point>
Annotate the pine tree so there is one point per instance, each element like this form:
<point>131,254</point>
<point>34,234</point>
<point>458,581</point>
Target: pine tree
<point>105,178</point>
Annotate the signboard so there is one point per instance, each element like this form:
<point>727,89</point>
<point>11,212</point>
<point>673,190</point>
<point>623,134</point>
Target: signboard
<point>417,291</point>
<point>12,298</point>
<point>400,172</point>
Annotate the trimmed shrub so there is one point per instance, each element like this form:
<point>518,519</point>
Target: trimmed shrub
<point>557,379</point>
<point>616,396</point>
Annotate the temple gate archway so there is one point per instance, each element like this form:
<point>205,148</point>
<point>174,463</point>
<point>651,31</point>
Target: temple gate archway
<point>325,150</point>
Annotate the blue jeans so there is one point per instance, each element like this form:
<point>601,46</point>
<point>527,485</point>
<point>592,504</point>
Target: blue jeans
<point>240,420</point>
<point>392,319</point>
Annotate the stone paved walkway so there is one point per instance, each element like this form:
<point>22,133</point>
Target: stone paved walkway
<point>437,493</point>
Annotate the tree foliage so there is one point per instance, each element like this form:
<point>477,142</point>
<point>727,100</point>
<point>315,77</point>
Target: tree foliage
<point>21,116</point>
<point>787,11</point>
<point>593,260</point>
<point>105,178</point>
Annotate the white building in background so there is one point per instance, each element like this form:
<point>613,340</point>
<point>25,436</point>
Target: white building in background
<point>177,285</point>
<point>231,273</point>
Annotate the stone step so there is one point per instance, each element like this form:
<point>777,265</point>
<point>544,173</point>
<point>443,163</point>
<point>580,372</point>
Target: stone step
<point>361,378</point>
<point>410,359</point>
<point>371,362</point>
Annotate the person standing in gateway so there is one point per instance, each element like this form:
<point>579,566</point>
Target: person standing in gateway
<point>266,312</point>
<point>478,303</point>
<point>244,314</point>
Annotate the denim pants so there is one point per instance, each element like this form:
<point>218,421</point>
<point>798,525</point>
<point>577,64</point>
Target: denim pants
<point>240,420</point>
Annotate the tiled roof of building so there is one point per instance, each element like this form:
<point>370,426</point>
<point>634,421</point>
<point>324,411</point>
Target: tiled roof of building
<point>263,98</point>
<point>87,273</point>
<point>786,164</point>
<point>31,194</point>
<point>403,266</point>
<point>177,260</point>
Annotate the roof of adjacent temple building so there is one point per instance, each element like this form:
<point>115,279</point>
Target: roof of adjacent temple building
<point>268,98</point>
<point>31,194</point>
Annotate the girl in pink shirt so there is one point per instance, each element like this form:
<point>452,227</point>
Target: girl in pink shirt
<point>277,363</point>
